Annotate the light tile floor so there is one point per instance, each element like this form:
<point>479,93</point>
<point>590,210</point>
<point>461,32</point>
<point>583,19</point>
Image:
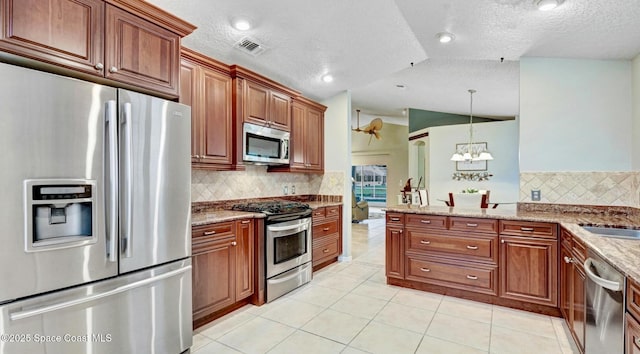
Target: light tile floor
<point>348,308</point>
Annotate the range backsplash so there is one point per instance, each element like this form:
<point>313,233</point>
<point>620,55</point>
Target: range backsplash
<point>583,188</point>
<point>256,182</point>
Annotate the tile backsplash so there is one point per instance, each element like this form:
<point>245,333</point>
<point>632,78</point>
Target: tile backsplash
<point>585,188</point>
<point>255,182</point>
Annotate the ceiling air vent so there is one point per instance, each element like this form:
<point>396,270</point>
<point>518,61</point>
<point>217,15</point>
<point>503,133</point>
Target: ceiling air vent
<point>250,46</point>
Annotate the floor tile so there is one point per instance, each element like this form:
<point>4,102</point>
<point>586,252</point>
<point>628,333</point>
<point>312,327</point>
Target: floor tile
<point>510,341</point>
<point>340,282</point>
<point>523,321</point>
<point>307,343</point>
<point>358,271</point>
<point>358,305</point>
<point>406,317</point>
<point>351,350</point>
<point>378,277</point>
<point>466,309</point>
<point>460,330</point>
<point>337,326</point>
<point>225,324</point>
<point>293,313</point>
<point>216,348</point>
<point>319,295</point>
<point>256,336</point>
<point>376,290</point>
<point>419,299</point>
<point>383,339</point>
<point>199,341</point>
<point>431,345</point>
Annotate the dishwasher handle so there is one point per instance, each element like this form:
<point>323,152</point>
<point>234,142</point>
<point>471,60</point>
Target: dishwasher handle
<point>607,284</point>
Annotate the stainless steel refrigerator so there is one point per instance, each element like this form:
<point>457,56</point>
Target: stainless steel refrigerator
<point>95,211</point>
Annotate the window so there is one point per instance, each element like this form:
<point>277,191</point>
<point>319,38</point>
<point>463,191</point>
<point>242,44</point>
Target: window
<point>370,183</point>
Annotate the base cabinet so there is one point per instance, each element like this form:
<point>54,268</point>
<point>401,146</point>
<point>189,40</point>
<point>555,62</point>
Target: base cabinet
<point>327,236</point>
<point>223,267</point>
<point>572,286</point>
<point>394,240</point>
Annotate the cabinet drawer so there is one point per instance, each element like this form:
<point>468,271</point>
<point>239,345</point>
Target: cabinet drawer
<point>326,248</point>
<point>633,298</point>
<point>324,229</point>
<point>451,245</point>
<point>427,221</point>
<point>395,218</point>
<point>332,211</point>
<point>213,231</point>
<point>319,213</point>
<point>529,228</point>
<point>473,224</point>
<point>462,276</point>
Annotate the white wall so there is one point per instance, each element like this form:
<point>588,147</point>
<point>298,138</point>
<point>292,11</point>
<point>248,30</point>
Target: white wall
<point>575,115</point>
<point>337,144</point>
<point>636,113</point>
<point>502,142</point>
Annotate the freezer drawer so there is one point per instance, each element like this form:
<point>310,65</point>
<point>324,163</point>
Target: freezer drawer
<point>143,312</point>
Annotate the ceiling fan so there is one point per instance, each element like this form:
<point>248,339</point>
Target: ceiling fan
<point>373,129</point>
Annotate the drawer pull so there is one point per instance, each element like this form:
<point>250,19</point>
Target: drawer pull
<point>426,270</point>
<point>472,277</point>
<point>246,221</point>
<point>233,243</point>
<point>326,250</point>
<point>325,229</point>
<point>528,229</point>
<point>209,233</point>
<point>425,221</point>
<point>425,242</point>
<point>472,247</point>
<point>394,219</point>
<point>502,241</point>
<point>472,224</point>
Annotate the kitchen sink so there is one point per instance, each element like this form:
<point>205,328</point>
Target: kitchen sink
<point>619,232</point>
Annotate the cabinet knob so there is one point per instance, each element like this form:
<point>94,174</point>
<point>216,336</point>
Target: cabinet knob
<point>567,259</point>
<point>197,157</point>
<point>501,241</point>
<point>99,66</point>
<point>113,69</point>
<point>233,243</point>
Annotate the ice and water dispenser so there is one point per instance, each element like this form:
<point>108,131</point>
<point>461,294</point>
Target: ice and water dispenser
<point>59,213</point>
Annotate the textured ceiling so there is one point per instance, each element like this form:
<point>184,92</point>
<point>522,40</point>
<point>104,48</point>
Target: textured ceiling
<point>369,49</point>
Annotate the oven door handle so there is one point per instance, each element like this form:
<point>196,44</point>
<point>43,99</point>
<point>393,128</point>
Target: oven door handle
<point>300,227</point>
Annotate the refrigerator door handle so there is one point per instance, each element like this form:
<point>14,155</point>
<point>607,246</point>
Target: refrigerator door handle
<point>81,300</point>
<point>112,134</point>
<point>128,181</point>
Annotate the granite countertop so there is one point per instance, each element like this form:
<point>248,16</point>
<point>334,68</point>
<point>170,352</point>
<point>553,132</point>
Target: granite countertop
<point>316,205</point>
<point>623,254</point>
<point>220,215</point>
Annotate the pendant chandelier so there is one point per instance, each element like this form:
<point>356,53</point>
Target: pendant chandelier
<point>469,152</point>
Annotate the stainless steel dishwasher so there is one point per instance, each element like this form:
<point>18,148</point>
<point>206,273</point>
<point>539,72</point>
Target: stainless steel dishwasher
<point>605,307</point>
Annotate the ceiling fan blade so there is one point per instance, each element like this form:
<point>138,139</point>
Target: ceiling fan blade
<point>377,134</point>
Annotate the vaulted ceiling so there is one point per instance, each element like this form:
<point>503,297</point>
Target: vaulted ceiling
<point>372,47</point>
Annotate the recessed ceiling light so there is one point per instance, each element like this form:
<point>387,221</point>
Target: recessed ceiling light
<point>327,78</point>
<point>445,37</point>
<point>241,24</point>
<point>546,5</point>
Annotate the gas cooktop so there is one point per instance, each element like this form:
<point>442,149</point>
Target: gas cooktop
<point>273,207</point>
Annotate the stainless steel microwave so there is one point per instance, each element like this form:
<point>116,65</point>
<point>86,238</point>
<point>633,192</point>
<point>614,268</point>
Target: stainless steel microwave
<point>264,145</point>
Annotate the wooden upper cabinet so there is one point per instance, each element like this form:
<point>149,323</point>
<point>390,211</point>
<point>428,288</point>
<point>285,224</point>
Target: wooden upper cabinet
<point>128,41</point>
<point>206,86</point>
<point>139,52</point>
<point>279,110</point>
<point>315,139</point>
<point>297,158</point>
<point>257,104</point>
<point>61,32</point>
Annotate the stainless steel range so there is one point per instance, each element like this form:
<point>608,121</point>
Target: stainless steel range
<point>287,245</point>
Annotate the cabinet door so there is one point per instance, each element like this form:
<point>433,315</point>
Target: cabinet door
<point>256,101</point>
<point>141,53</point>
<point>279,111</point>
<point>61,32</point>
<point>299,133</point>
<point>566,282</point>
<point>244,259</point>
<point>394,262</point>
<point>528,269</point>
<point>189,88</point>
<point>216,117</point>
<point>632,335</point>
<point>213,277</point>
<point>314,140</point>
<point>578,305</point>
